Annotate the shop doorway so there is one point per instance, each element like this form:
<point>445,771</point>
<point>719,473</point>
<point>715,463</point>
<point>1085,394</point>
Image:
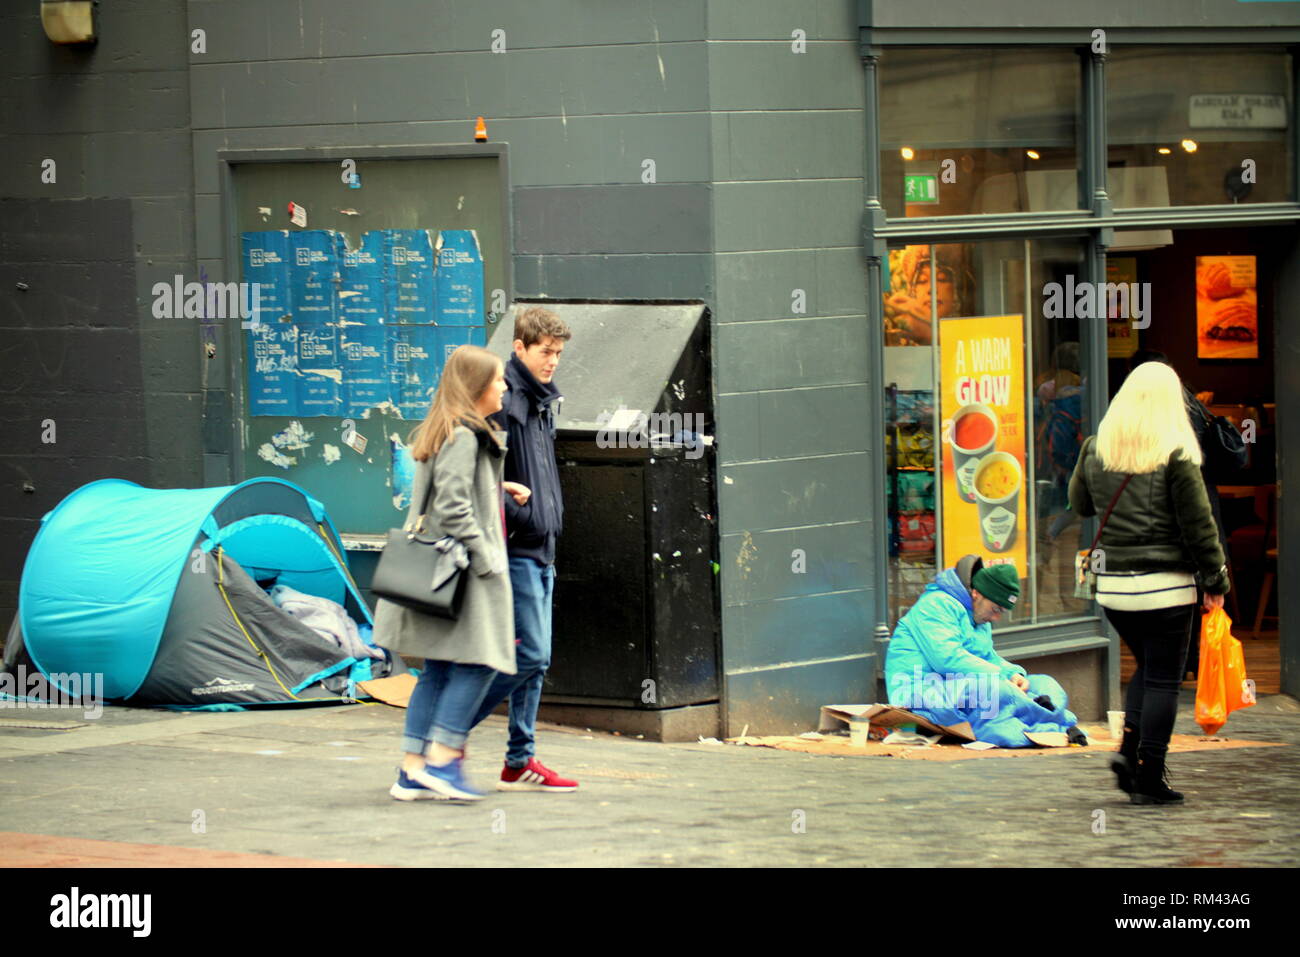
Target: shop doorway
<point>1213,298</point>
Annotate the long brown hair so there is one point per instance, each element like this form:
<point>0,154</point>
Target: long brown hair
<point>469,371</point>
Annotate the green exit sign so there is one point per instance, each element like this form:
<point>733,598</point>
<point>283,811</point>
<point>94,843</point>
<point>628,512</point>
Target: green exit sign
<point>921,188</point>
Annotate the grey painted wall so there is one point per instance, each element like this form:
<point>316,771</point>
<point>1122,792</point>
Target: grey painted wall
<point>1111,14</point>
<point>795,445</point>
<point>80,346</point>
<point>758,153</point>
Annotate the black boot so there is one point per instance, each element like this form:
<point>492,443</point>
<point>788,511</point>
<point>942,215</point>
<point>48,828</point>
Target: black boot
<point>1151,783</point>
<point>1124,764</point>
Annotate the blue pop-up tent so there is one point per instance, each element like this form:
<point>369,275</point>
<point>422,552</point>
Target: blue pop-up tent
<point>162,592</point>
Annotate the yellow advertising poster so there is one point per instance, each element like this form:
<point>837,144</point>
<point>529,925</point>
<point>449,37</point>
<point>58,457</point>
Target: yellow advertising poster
<point>982,408</point>
<point>1227,321</point>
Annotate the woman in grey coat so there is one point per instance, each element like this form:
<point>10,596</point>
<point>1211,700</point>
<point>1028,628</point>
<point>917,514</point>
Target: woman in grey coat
<point>460,458</point>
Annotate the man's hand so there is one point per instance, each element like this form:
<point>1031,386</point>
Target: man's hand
<point>520,493</point>
<point>1213,601</point>
<point>1020,681</point>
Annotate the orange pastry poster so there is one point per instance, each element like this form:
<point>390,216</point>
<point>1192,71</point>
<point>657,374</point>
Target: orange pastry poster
<point>1227,319</point>
<point>982,407</point>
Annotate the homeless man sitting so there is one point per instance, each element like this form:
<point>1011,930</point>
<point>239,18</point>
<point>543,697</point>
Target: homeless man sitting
<point>942,666</point>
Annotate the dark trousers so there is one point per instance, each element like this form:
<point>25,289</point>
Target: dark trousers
<point>1158,640</point>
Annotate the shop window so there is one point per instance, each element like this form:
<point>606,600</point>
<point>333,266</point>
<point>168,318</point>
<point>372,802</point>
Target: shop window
<point>985,410</point>
<point>978,131</point>
<point>1198,126</point>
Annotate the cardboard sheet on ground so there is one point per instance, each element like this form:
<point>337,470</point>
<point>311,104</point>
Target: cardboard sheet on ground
<point>395,690</point>
<point>1098,738</point>
<point>836,716</point>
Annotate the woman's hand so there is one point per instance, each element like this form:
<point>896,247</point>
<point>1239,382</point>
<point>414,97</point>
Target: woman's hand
<point>520,493</point>
<point>1213,601</point>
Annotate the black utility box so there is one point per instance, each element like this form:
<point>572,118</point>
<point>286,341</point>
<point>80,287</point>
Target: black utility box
<point>636,618</point>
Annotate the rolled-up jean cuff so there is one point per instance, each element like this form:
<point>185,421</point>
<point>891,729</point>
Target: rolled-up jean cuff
<point>448,738</point>
<point>414,745</point>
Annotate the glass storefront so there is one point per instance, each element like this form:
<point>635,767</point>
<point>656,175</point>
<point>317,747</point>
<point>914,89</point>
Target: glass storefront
<point>978,131</point>
<point>983,375</point>
<point>1198,126</point>
<point>993,362</point>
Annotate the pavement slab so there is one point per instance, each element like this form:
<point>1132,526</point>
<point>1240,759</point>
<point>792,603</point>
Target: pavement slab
<point>311,785</point>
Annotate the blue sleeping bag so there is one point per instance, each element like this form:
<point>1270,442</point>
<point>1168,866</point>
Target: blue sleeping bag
<point>942,666</point>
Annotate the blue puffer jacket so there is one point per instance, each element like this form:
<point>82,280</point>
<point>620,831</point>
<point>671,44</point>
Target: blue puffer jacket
<point>939,636</point>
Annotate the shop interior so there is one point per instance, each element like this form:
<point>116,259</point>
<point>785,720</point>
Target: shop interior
<point>1214,324</point>
<point>1208,309</point>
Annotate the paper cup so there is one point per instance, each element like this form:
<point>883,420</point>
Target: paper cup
<point>859,729</point>
<point>1116,721</point>
<point>998,515</point>
<point>964,460</point>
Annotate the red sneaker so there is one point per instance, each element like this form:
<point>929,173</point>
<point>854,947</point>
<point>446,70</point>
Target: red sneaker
<point>535,776</point>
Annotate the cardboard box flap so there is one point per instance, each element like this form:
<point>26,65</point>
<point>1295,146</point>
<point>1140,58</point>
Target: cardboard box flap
<point>836,716</point>
<point>395,690</point>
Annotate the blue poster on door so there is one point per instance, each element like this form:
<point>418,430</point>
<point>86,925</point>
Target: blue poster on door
<point>362,290</point>
<point>273,369</point>
<point>363,353</point>
<point>270,335</point>
<point>409,258</point>
<point>413,367</point>
<point>319,370</point>
<point>458,284</point>
<point>315,258</point>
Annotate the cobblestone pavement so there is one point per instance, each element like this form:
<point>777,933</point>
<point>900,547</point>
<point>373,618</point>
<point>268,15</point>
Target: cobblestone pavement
<point>312,783</point>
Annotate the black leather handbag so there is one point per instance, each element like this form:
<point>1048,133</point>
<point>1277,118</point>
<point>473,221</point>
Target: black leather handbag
<point>422,573</point>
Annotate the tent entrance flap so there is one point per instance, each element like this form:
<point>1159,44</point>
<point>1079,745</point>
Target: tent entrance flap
<point>294,554</point>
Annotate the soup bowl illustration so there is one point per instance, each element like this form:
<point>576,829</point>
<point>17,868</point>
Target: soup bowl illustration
<point>973,434</point>
<point>998,477</point>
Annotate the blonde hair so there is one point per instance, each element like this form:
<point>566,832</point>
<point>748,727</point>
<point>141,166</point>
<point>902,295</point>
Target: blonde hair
<point>469,372</point>
<point>1147,423</point>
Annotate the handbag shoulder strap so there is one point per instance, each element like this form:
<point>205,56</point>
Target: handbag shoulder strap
<point>1109,509</point>
<point>428,494</point>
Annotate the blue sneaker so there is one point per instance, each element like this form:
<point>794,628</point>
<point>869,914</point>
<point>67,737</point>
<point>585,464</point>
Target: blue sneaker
<point>407,789</point>
<point>448,781</point>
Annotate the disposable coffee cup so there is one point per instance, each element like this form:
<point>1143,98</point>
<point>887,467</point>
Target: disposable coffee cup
<point>859,729</point>
<point>980,439</point>
<point>997,513</point>
<point>1116,721</point>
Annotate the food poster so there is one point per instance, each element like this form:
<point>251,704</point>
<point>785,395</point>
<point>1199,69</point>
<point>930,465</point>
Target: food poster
<point>982,410</point>
<point>1227,320</point>
<point>1121,337</point>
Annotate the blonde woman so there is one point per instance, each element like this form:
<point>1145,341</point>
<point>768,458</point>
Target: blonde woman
<point>459,457</point>
<point>1159,538</point>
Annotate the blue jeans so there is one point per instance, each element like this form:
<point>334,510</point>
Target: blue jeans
<point>532,585</point>
<point>443,704</point>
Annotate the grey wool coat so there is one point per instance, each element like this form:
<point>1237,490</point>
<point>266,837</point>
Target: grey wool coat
<point>465,502</point>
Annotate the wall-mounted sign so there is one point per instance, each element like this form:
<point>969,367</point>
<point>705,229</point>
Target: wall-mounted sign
<point>1256,111</point>
<point>921,188</point>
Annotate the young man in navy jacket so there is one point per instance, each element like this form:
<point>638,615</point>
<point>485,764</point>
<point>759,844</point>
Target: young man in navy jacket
<point>534,516</point>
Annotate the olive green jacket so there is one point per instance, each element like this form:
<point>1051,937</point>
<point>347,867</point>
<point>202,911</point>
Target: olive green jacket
<point>1162,522</point>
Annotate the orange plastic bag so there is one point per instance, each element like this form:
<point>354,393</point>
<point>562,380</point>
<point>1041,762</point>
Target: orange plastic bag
<point>1221,685</point>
